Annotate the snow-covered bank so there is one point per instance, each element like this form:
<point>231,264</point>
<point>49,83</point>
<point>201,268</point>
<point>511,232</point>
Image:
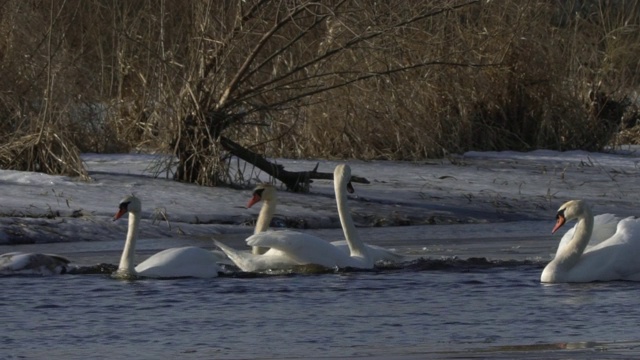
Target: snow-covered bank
<point>472,190</point>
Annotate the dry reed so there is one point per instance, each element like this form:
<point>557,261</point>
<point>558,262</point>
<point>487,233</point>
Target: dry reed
<point>406,82</point>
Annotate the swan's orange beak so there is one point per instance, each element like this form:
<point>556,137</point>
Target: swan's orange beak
<point>560,220</point>
<point>121,211</point>
<point>253,200</point>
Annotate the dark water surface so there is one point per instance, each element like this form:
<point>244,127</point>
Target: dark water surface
<point>485,302</point>
<point>418,311</point>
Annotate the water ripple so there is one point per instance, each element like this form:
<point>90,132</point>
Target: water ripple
<point>444,308</point>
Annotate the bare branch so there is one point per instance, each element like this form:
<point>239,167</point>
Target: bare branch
<point>297,181</point>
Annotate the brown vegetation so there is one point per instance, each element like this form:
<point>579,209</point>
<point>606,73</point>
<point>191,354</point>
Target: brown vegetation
<point>204,80</point>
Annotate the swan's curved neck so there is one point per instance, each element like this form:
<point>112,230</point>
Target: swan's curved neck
<point>569,255</point>
<point>356,246</point>
<point>129,253</point>
<point>266,214</point>
<point>262,224</point>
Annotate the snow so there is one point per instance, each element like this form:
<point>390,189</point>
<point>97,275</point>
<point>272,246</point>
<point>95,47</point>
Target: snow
<point>407,205</point>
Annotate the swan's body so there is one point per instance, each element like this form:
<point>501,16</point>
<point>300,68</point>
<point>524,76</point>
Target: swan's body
<point>601,255</point>
<point>175,262</point>
<point>290,248</point>
<point>32,263</point>
<point>286,250</point>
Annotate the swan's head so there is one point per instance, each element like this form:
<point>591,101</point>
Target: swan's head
<point>342,177</point>
<point>264,192</point>
<point>569,211</point>
<point>129,203</point>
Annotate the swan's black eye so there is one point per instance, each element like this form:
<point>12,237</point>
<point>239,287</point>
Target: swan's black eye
<point>125,205</point>
<point>350,188</point>
<point>560,214</point>
<point>258,192</point>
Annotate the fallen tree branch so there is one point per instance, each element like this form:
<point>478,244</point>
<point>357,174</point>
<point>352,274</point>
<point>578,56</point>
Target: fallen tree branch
<point>297,181</point>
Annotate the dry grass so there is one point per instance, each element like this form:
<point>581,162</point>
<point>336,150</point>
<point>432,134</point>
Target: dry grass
<point>144,76</point>
<point>47,151</point>
<point>555,86</point>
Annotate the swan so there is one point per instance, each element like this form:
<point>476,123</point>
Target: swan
<point>611,255</point>
<point>267,193</point>
<point>189,261</point>
<point>33,263</point>
<point>289,248</point>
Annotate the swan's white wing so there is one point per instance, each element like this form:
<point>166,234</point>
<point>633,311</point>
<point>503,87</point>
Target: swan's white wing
<point>303,248</point>
<point>283,240</point>
<point>33,263</point>
<point>187,261</point>
<point>14,261</point>
<point>604,226</point>
<point>249,262</point>
<point>377,253</point>
<point>623,249</point>
<point>615,258</point>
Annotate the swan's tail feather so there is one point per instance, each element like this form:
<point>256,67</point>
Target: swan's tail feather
<point>240,259</point>
<point>223,258</point>
<point>230,252</point>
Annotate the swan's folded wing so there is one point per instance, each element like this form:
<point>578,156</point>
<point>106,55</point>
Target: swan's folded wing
<point>604,227</point>
<point>618,255</point>
<point>628,238</point>
<point>14,261</point>
<point>59,258</point>
<point>284,240</point>
<point>303,248</point>
<point>35,263</point>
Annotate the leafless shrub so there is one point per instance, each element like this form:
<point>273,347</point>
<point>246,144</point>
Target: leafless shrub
<point>48,152</point>
<point>547,60</point>
<point>337,79</point>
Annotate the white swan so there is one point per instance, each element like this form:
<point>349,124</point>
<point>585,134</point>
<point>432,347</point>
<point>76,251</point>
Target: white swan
<point>187,261</point>
<point>268,195</point>
<point>288,248</point>
<point>612,258</point>
<point>33,263</point>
